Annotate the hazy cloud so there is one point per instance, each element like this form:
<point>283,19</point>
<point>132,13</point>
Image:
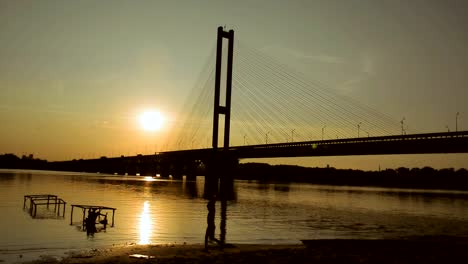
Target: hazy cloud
<point>102,124</point>
<point>366,69</point>
<point>367,64</point>
<point>282,51</point>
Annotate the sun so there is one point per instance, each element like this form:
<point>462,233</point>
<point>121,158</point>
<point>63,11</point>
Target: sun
<point>151,120</point>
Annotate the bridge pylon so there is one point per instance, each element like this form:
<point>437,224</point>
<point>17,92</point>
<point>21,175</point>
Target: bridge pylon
<point>218,166</point>
<point>218,108</point>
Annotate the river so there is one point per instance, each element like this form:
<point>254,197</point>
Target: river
<point>155,211</point>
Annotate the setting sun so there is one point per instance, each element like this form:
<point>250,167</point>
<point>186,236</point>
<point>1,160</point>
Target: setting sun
<point>151,120</point>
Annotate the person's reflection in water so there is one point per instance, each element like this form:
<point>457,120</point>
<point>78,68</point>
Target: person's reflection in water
<point>223,221</point>
<point>191,189</point>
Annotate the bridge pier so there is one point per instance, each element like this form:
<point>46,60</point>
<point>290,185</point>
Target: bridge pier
<point>191,170</point>
<point>177,170</point>
<point>219,179</point>
<point>164,169</point>
<point>120,166</point>
<point>132,167</point>
<point>211,179</point>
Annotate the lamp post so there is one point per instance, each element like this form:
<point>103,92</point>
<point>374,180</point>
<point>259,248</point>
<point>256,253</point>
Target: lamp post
<point>266,137</point>
<point>456,121</point>
<point>402,126</point>
<point>323,130</point>
<point>358,128</point>
<point>448,129</point>
<point>245,136</point>
<point>367,134</point>
<point>292,135</point>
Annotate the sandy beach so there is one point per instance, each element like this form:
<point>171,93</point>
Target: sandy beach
<point>421,250</point>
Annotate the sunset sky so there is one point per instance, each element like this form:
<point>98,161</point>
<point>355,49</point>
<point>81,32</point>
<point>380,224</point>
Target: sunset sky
<point>75,76</point>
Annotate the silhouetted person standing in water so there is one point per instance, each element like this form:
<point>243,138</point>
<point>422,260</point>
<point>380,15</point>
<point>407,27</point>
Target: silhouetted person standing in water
<point>210,230</point>
<point>91,221</point>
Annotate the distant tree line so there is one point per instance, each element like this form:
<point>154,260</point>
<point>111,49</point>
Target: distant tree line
<point>427,177</point>
<point>11,161</point>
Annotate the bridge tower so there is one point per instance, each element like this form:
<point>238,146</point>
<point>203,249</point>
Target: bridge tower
<point>226,109</point>
<point>220,165</point>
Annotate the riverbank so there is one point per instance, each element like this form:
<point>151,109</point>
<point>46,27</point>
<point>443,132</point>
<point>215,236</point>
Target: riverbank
<point>421,250</point>
<point>407,178</point>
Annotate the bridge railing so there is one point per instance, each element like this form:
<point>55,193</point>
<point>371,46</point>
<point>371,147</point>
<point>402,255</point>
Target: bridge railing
<point>357,140</point>
<point>313,143</point>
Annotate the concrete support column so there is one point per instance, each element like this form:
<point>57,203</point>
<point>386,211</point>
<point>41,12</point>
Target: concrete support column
<point>191,171</point>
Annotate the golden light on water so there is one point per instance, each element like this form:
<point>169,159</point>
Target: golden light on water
<point>151,120</point>
<point>146,225</point>
<point>149,178</point>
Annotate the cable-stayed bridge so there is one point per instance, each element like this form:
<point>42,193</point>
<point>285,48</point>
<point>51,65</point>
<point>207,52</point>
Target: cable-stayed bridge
<point>265,109</point>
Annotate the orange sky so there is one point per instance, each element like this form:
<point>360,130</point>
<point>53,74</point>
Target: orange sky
<point>76,75</point>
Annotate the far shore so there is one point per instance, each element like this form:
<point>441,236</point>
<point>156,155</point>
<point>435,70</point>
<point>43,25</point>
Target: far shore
<point>411,250</point>
<point>402,178</point>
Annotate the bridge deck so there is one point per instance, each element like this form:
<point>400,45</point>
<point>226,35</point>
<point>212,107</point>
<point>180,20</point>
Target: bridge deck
<point>174,162</point>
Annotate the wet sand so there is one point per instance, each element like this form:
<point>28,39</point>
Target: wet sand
<point>421,250</point>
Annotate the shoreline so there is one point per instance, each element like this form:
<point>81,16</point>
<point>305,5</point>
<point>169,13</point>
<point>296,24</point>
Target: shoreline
<point>410,250</point>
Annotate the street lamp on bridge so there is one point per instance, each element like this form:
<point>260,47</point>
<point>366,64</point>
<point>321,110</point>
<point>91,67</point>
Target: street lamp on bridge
<point>266,137</point>
<point>456,121</point>
<point>358,127</point>
<point>292,135</point>
<point>402,126</point>
<point>323,130</point>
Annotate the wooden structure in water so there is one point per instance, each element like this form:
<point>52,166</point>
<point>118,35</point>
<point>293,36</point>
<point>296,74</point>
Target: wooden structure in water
<point>85,208</point>
<point>44,199</point>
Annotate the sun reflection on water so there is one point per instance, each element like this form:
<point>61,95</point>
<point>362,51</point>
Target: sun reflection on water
<point>146,225</point>
<point>149,178</point>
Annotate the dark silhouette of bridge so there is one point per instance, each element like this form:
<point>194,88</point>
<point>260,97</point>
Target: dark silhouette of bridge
<point>186,162</point>
<point>223,161</point>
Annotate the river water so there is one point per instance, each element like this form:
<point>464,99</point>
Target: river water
<point>154,211</point>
